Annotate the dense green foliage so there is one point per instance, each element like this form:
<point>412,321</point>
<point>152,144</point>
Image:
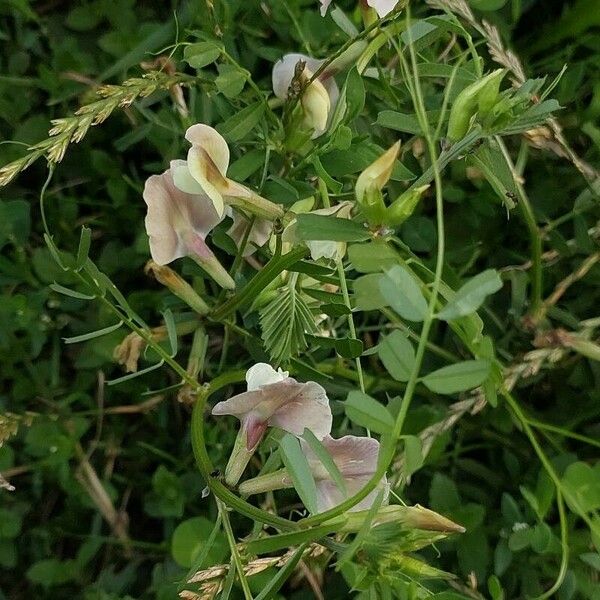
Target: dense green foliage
<point>503,431</point>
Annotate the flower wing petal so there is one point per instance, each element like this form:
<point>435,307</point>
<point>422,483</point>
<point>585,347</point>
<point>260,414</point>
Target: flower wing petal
<point>259,234</point>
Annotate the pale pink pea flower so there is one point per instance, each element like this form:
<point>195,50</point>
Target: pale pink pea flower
<point>356,459</point>
<point>273,399</point>
<point>177,224</point>
<point>206,172</point>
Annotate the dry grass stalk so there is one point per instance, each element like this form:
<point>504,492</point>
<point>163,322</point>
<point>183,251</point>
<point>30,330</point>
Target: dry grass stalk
<point>89,480</point>
<point>211,579</point>
<point>72,129</point>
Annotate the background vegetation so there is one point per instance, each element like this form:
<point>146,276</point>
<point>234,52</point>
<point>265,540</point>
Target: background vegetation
<point>105,474</point>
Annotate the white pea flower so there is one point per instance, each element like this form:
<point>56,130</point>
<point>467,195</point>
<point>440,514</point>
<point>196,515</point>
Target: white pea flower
<point>377,174</point>
<point>356,459</point>
<point>319,99</point>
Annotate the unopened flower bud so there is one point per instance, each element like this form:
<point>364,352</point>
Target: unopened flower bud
<point>404,205</point>
<point>377,174</point>
<point>181,288</point>
<point>481,95</point>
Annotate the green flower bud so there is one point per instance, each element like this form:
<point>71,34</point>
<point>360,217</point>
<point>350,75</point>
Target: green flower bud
<point>468,102</point>
<point>404,206</point>
<point>370,183</point>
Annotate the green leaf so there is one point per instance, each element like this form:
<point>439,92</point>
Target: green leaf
<point>323,455</point>
<point>84,247</point>
<point>171,330</point>
<point>230,81</point>
<point>413,455</point>
<point>582,482</point>
<point>397,355</point>
<point>471,295</point>
<point>345,347</point>
<point>50,572</point>
<point>243,122</point>
<point>189,539</point>
<point>246,165</point>
<point>297,466</point>
<point>592,559</point>
<point>373,257</point>
<point>366,292</point>
<point>92,334</point>
<point>285,321</point>
<point>273,543</point>
<point>61,289</point>
<point>201,54</point>
<point>368,413</point>
<point>15,221</point>
<point>354,92</point>
<point>399,121</point>
<point>403,294</point>
<point>139,373</point>
<point>458,377</point>
<point>321,227</point>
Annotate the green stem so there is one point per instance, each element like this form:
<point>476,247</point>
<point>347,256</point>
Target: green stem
<point>564,542</point>
<point>535,238</point>
<point>261,280</point>
<point>344,286</point>
<point>235,555</point>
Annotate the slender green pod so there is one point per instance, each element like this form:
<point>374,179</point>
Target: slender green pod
<point>480,95</point>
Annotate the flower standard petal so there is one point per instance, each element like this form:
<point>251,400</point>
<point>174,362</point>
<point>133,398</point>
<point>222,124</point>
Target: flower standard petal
<point>382,7</point>
<point>324,6</point>
<point>307,407</point>
<point>208,160</point>
<point>214,144</point>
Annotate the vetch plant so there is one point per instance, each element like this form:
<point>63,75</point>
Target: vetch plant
<point>382,301</point>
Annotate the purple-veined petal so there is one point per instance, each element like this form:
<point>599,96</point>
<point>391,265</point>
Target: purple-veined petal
<point>329,495</point>
<point>307,407</point>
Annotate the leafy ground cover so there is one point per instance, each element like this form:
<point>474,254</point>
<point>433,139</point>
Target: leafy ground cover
<point>408,228</point>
